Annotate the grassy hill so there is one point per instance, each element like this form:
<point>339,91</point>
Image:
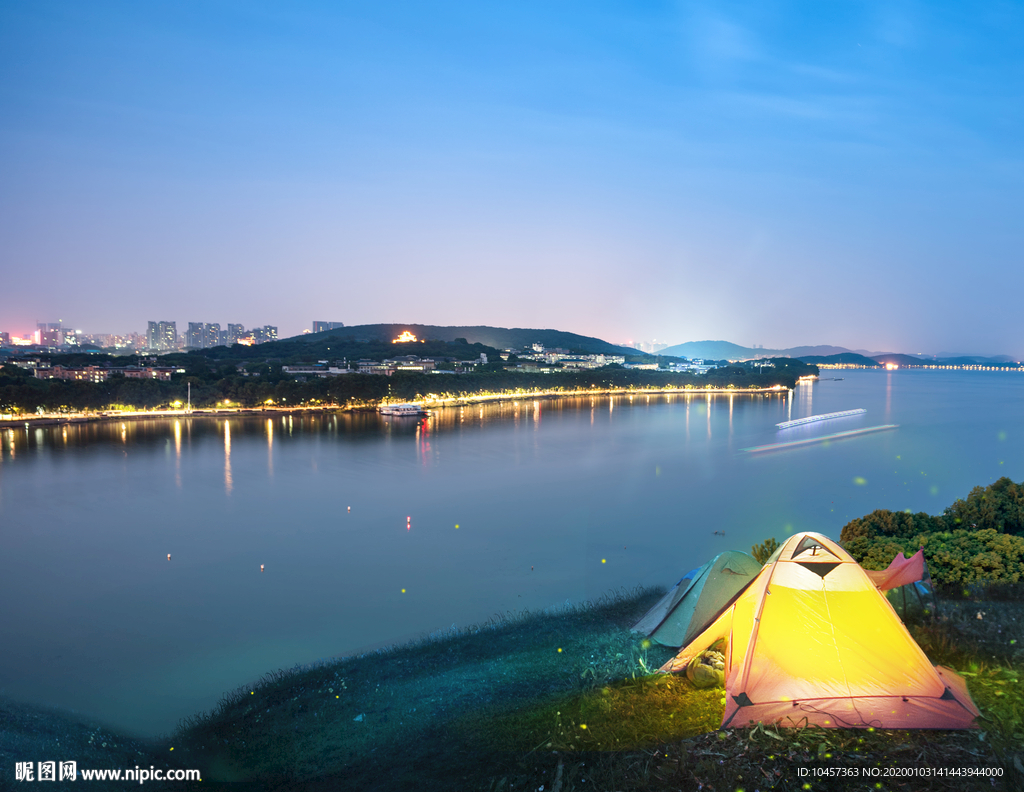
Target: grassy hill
<point>556,701</point>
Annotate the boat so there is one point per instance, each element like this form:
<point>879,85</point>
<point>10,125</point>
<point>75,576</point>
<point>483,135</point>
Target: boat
<point>822,439</point>
<point>816,418</point>
<point>401,410</point>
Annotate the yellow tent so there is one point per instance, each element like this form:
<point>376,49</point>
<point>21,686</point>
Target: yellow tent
<point>812,641</point>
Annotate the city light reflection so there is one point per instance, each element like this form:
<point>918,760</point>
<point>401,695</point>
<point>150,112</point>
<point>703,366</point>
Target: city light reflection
<point>228,481</point>
<point>888,395</point>
<point>270,448</point>
<point>177,453</point>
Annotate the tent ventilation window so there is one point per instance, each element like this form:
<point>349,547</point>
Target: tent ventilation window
<point>807,543</point>
<point>819,569</point>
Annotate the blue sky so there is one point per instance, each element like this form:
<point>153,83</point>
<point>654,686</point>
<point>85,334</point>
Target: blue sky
<point>771,173</point>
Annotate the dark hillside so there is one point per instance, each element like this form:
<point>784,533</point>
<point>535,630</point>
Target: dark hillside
<point>846,358</point>
<point>498,337</point>
<point>900,360</point>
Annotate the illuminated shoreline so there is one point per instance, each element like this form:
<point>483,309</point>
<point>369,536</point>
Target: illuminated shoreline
<point>931,366</point>
<point>430,401</point>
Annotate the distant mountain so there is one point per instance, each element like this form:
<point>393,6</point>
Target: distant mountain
<point>713,350</point>
<point>946,357</point>
<point>821,351</point>
<point>497,337</point>
<point>901,360</point>
<point>724,350</point>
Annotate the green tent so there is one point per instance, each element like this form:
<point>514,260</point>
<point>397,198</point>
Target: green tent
<point>697,600</point>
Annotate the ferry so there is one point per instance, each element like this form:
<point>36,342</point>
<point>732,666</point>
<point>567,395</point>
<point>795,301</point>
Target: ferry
<point>413,410</point>
<point>816,418</point>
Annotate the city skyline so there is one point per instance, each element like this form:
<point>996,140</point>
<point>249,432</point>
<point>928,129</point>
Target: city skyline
<point>781,175</point>
<point>163,336</point>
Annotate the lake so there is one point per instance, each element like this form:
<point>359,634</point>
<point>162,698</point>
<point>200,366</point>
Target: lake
<point>296,538</point>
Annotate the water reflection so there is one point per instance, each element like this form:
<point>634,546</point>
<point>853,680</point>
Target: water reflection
<point>333,582</point>
<point>228,482</point>
<point>270,448</point>
<point>177,453</point>
<point>423,440</point>
<point>290,427</point>
<point>805,391</point>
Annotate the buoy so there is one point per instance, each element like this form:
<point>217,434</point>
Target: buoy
<point>261,567</point>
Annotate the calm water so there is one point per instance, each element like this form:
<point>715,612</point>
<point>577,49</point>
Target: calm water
<point>453,519</point>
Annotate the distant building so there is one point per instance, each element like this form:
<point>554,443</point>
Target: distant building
<point>321,369</point>
<point>262,335</point>
<point>49,334</point>
<point>320,327</point>
<point>233,334</point>
<point>589,361</point>
<point>202,335</point>
<point>102,373</point>
<point>162,336</point>
<point>695,366</point>
<point>5,338</point>
<point>410,363</point>
<point>129,341</point>
<point>531,368</point>
<point>373,367</point>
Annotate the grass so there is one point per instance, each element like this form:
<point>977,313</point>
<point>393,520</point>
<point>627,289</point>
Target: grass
<point>566,701</point>
<point>40,734</point>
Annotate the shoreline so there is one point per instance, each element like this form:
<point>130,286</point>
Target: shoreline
<point>51,419</point>
<point>475,704</point>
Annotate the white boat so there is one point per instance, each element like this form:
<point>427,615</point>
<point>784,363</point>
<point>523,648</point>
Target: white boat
<point>402,410</point>
<point>816,418</point>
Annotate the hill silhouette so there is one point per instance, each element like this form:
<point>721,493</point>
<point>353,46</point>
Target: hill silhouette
<point>496,337</point>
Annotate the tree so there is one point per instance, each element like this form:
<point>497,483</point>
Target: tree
<point>762,552</point>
